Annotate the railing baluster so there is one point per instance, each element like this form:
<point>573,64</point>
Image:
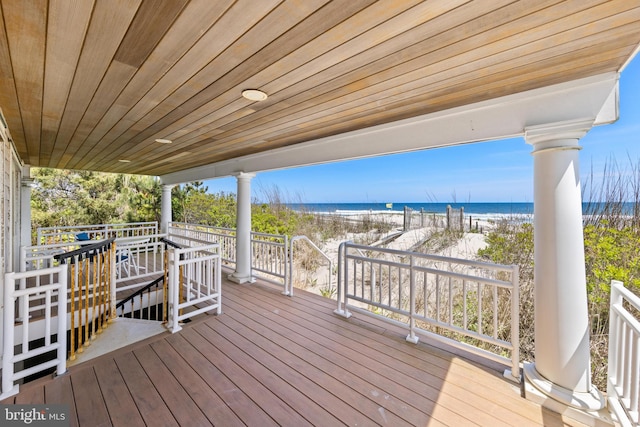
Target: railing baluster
<point>165,289</point>
<point>635,372</point>
<point>24,302</point>
<point>47,318</point>
<point>480,308</point>
<point>450,302</point>
<point>72,310</point>
<point>425,295</point>
<point>495,312</point>
<point>87,275</point>
<point>464,305</point>
<point>412,303</point>
<point>93,297</point>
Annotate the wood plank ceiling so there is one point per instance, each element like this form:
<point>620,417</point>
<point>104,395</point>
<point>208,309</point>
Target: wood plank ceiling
<point>85,84</point>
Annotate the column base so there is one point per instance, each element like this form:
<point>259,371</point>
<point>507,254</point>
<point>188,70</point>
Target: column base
<point>587,408</point>
<point>241,278</point>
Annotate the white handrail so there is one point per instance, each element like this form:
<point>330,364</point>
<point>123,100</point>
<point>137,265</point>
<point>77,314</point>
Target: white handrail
<point>294,239</point>
<point>269,256</point>
<point>623,376</point>
<point>45,235</point>
<point>144,258</point>
<point>58,289</point>
<point>268,251</point>
<point>423,288</point>
<point>194,280</point>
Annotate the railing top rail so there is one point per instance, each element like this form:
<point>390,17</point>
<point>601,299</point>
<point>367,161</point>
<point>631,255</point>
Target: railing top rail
<point>139,239</point>
<point>213,227</point>
<point>203,248</point>
<point>259,234</point>
<point>101,226</point>
<point>230,230</point>
<point>441,258</point>
<point>49,246</point>
<point>84,251</point>
<point>631,298</point>
<point>172,243</point>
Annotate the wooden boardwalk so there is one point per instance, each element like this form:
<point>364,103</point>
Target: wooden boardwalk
<point>273,360</point>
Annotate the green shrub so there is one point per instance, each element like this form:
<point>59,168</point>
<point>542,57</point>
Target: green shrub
<point>511,243</point>
<point>610,254</point>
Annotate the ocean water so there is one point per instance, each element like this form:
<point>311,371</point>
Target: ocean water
<point>477,210</point>
<point>515,208</point>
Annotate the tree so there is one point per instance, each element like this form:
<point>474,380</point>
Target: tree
<point>64,197</point>
<point>61,197</point>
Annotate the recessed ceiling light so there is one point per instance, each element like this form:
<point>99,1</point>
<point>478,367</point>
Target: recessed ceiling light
<point>164,141</point>
<point>124,161</point>
<point>254,95</point>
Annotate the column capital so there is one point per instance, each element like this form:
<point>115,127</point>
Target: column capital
<point>244,175</point>
<point>167,186</point>
<point>28,182</point>
<point>551,135</point>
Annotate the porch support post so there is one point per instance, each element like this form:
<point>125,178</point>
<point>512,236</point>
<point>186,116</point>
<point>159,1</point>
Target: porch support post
<point>243,230</point>
<point>562,367</point>
<point>165,208</point>
<point>26,184</point>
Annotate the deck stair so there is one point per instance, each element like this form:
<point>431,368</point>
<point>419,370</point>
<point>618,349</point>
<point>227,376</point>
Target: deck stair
<point>121,333</point>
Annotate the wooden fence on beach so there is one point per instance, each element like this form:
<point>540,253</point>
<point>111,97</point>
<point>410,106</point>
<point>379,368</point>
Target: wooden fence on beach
<point>454,220</point>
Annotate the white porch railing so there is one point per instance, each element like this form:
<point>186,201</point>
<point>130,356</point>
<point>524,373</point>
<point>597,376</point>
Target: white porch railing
<point>54,308</point>
<point>269,256</point>
<point>139,261</point>
<point>623,379</point>
<point>269,252</point>
<point>79,292</point>
<point>475,302</point>
<point>195,283</point>
<point>42,256</point>
<point>52,235</point>
<point>138,258</point>
<point>206,234</point>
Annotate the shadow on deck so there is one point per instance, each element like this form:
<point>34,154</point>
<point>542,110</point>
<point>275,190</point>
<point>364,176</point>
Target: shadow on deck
<point>275,360</point>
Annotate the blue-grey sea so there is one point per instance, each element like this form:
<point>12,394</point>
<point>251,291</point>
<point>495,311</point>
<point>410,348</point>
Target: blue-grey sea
<point>470,208</point>
<point>490,209</point>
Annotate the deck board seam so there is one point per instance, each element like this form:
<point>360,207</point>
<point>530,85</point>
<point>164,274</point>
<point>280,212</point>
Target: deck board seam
<point>426,372</point>
<point>303,348</point>
<point>416,385</point>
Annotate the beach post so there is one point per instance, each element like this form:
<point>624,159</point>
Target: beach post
<point>448,217</point>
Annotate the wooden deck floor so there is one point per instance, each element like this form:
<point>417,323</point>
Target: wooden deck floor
<point>272,360</point>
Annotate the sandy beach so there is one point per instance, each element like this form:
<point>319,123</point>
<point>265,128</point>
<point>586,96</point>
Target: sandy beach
<point>466,247</point>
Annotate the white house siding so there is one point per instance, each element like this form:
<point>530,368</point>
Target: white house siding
<point>11,173</point>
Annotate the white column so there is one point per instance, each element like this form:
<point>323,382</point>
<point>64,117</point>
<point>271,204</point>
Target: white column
<point>165,208</point>
<point>243,230</point>
<point>562,364</point>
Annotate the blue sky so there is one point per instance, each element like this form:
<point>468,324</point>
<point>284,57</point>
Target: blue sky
<point>496,171</point>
